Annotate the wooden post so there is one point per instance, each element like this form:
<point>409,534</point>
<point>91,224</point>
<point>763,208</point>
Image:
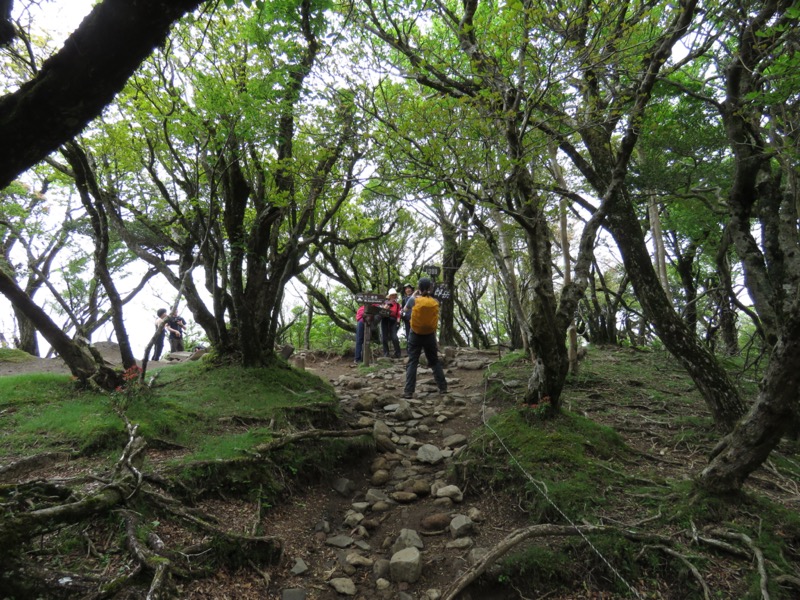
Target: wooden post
<point>369,300</point>
<point>367,351</point>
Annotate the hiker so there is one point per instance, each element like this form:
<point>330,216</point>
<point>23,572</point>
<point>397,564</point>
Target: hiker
<point>408,292</point>
<point>390,323</point>
<point>424,321</point>
<point>360,324</point>
<point>176,325</point>
<point>158,347</point>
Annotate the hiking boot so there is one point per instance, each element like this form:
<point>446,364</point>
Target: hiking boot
<point>443,391</point>
<point>408,396</point>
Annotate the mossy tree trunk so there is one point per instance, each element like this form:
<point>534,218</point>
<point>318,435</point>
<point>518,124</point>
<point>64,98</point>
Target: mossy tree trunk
<point>774,412</point>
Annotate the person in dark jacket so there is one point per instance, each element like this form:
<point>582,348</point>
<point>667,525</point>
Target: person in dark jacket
<point>408,292</point>
<point>420,341</point>
<point>176,325</point>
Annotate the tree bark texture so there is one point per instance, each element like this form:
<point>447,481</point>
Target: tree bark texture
<point>454,252</point>
<point>771,268</point>
<point>27,334</point>
<point>745,448</point>
<point>74,85</point>
<point>658,242</point>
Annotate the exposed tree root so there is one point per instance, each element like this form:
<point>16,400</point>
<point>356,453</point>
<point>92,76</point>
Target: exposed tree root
<point>788,580</point>
<point>42,509</point>
<point>18,527</point>
<point>724,546</point>
<point>509,542</point>
<point>695,573</point>
<point>661,543</point>
<point>24,466</point>
<point>762,569</point>
<point>313,434</point>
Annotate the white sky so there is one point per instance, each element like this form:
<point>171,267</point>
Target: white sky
<point>58,19</point>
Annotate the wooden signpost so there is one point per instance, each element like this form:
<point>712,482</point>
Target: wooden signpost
<point>431,270</point>
<point>442,292</point>
<point>370,300</point>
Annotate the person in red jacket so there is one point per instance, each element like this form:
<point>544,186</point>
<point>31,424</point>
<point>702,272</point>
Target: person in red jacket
<point>390,324</point>
<point>360,324</point>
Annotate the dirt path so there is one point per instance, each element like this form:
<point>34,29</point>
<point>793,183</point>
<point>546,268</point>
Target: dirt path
<point>394,525</point>
<point>108,350</point>
<point>342,534</point>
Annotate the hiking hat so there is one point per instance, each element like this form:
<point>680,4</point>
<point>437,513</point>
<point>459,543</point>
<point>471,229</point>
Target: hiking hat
<point>392,292</point>
<point>424,285</point>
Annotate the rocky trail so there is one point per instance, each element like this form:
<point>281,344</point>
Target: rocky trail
<point>398,522</point>
<point>394,526</point>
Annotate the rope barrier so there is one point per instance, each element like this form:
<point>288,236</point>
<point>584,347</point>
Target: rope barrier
<point>541,487</point>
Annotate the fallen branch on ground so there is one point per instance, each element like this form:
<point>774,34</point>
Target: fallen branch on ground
<point>507,543</point>
<point>312,434</point>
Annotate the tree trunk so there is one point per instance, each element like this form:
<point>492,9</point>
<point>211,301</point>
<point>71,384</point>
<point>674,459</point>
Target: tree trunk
<point>471,314</point>
<point>745,448</point>
<point>28,341</point>
<point>721,396</point>
<point>82,364</point>
<point>453,225</point>
<point>74,85</point>
<point>309,322</point>
<point>495,239</point>
<point>558,175</point>
<point>547,324</point>
<point>92,199</point>
<point>451,261</point>
<point>506,259</point>
<point>684,265</point>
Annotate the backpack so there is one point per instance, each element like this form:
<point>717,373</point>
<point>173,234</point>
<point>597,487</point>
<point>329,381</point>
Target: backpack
<point>424,315</point>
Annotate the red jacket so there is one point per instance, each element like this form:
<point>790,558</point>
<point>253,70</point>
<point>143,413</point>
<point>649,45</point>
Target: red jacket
<point>394,308</point>
<point>360,312</point>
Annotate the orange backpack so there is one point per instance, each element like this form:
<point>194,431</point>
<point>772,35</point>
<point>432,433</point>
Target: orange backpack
<point>424,315</point>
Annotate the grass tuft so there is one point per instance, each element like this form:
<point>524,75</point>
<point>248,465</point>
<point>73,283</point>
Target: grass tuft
<point>13,355</point>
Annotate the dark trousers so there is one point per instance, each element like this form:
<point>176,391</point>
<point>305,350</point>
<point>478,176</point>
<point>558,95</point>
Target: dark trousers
<point>389,333</point>
<point>416,344</point>
<point>176,344</point>
<point>359,341</point>
<point>158,347</point>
